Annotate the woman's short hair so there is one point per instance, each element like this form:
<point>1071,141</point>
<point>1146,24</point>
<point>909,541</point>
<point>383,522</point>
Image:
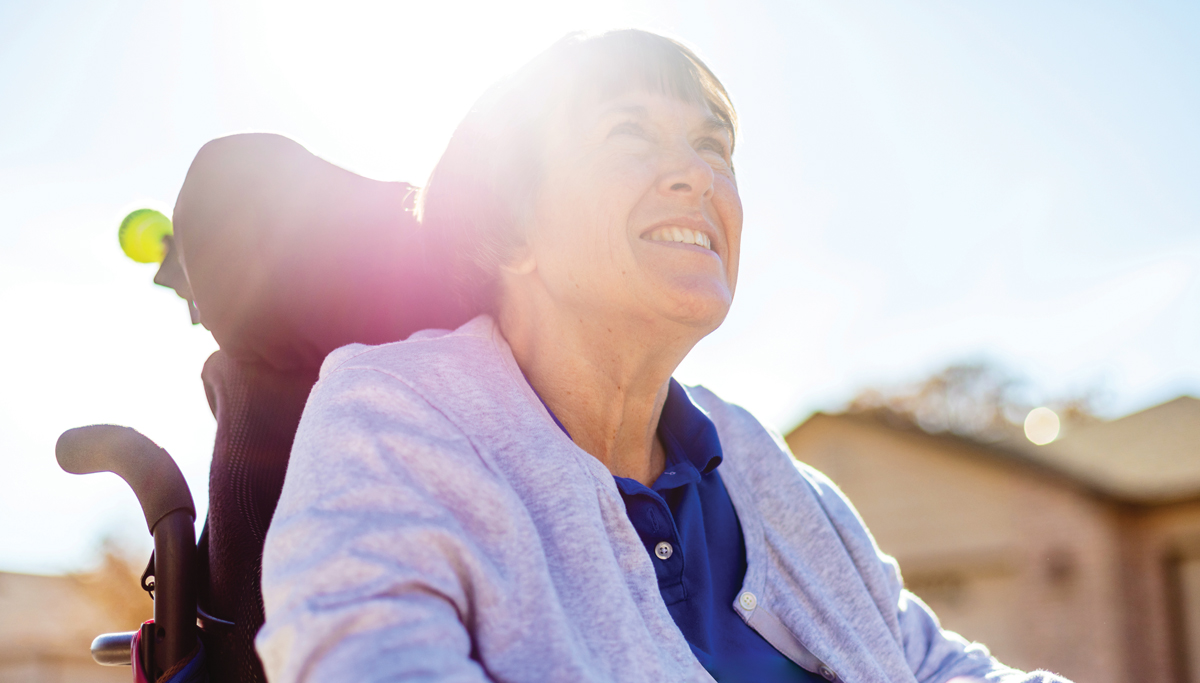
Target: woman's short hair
<point>473,206</point>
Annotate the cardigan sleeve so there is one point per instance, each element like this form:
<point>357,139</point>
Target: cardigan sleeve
<point>367,568</point>
<point>937,655</point>
<point>934,654</point>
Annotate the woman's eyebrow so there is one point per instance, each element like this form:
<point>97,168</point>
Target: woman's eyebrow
<point>712,124</point>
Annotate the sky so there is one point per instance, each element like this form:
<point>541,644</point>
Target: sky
<point>924,183</point>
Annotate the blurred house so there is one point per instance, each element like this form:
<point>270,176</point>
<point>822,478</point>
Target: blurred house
<point>1081,556</point>
<point>47,623</point>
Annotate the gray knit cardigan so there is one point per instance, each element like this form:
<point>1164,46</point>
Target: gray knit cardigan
<point>436,525</point>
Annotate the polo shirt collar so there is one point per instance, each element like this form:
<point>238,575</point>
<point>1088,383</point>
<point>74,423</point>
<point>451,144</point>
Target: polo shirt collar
<point>690,438</point>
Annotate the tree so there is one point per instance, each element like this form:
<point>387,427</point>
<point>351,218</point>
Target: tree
<point>978,400</point>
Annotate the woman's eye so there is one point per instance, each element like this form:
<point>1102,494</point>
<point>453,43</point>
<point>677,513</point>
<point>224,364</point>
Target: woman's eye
<point>627,128</point>
<point>710,145</point>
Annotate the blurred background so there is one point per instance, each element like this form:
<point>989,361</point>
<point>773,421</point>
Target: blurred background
<point>956,212</point>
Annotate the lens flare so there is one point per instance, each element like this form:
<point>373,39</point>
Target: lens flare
<point>1041,426</point>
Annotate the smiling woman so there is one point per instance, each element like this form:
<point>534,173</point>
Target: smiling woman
<point>532,497</point>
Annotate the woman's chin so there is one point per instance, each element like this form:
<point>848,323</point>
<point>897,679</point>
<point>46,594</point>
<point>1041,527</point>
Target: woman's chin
<point>701,305</point>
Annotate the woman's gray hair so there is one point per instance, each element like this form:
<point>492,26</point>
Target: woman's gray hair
<point>473,206</point>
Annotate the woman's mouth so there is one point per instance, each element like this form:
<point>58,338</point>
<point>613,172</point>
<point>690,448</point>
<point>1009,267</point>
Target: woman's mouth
<point>672,233</point>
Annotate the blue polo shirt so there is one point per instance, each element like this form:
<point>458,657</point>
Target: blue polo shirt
<point>692,533</point>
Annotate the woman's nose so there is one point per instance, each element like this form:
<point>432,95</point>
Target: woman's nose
<point>686,172</point>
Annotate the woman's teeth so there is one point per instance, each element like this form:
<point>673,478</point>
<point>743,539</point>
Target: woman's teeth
<point>685,235</point>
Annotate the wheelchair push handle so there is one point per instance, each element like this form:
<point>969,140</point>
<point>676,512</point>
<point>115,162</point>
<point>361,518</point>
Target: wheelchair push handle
<point>148,469</point>
<point>170,516</point>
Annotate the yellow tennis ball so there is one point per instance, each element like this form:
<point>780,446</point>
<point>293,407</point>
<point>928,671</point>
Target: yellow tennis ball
<point>141,235</point>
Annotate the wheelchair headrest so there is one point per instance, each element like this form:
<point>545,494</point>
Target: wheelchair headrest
<point>290,257</point>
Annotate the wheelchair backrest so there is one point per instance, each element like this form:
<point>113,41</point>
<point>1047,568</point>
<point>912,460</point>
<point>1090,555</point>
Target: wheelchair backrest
<point>288,257</point>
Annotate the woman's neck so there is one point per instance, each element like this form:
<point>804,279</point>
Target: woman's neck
<point>605,379</point>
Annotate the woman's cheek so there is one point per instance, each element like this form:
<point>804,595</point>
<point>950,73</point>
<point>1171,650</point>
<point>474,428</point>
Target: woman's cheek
<point>729,206</point>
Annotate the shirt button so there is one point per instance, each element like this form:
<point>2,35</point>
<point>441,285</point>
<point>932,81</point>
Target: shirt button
<point>827,673</point>
<point>748,601</point>
<point>663,550</point>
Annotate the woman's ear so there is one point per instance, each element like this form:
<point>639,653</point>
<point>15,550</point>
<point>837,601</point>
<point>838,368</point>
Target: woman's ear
<point>522,261</point>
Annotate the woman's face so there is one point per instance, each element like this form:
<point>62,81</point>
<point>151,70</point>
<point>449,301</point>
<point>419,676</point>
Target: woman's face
<point>638,212</point>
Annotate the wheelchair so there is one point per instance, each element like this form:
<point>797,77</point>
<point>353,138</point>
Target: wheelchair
<point>283,257</point>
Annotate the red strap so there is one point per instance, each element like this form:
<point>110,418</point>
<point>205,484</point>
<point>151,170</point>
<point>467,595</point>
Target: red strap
<point>139,673</point>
